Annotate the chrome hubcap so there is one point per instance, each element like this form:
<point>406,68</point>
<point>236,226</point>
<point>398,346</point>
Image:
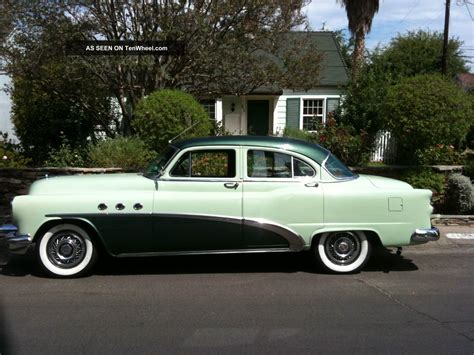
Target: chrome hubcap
<point>342,248</point>
<point>66,249</point>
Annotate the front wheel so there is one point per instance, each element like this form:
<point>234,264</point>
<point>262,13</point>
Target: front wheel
<point>343,252</point>
<point>66,250</point>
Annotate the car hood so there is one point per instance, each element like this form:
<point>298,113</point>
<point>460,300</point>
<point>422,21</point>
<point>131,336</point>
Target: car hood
<point>86,184</point>
<point>386,183</point>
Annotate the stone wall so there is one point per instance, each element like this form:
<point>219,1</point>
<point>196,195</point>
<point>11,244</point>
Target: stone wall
<point>15,182</point>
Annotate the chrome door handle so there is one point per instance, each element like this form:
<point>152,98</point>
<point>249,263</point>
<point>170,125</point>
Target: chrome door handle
<point>311,184</point>
<point>231,185</point>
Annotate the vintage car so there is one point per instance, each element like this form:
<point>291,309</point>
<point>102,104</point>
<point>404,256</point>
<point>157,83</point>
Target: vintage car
<point>231,194</point>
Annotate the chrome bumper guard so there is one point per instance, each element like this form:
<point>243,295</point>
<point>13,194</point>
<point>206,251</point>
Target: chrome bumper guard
<point>12,242</point>
<point>425,235</point>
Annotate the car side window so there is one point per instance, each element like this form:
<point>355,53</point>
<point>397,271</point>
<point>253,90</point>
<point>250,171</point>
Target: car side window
<point>206,163</point>
<point>262,163</point>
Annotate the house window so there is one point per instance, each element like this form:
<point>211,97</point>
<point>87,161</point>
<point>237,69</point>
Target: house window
<point>312,113</point>
<point>210,108</point>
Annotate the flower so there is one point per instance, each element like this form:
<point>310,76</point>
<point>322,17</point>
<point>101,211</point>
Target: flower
<point>4,157</point>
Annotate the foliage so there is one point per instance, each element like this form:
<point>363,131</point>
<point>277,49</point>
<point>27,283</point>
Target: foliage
<point>341,140</point>
<point>52,94</point>
<point>165,114</point>
<point>129,153</point>
<point>363,104</point>
<point>440,154</point>
<point>420,113</point>
<point>225,45</point>
<point>419,52</point>
<point>459,194</point>
<point>66,156</point>
<point>425,178</point>
<point>11,155</point>
<point>468,169</point>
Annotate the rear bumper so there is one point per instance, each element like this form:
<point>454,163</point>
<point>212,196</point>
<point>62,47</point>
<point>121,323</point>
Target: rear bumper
<point>425,235</point>
<point>11,242</point>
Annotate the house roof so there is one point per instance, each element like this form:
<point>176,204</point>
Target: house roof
<point>333,72</point>
<point>333,69</point>
<point>313,151</point>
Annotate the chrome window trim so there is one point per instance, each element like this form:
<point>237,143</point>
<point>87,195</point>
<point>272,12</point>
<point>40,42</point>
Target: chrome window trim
<point>292,154</point>
<point>339,179</point>
<point>167,172</point>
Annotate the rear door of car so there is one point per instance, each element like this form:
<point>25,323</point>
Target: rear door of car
<point>282,199</point>
<point>198,201</point>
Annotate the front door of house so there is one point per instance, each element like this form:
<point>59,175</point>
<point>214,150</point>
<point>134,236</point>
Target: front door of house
<point>257,117</point>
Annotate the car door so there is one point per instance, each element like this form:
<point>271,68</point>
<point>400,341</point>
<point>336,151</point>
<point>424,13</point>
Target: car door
<point>198,202</point>
<point>282,199</point>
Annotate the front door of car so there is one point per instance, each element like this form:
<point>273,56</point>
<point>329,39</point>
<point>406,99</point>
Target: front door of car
<point>198,202</point>
<point>282,199</point>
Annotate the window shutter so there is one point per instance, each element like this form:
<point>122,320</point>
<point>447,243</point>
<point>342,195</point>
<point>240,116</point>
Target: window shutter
<point>293,112</point>
<point>331,105</point>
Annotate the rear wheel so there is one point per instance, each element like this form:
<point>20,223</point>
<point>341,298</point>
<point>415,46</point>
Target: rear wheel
<point>66,250</point>
<point>343,252</point>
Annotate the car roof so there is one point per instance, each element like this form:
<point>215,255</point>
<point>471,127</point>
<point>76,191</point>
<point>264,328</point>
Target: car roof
<point>311,150</point>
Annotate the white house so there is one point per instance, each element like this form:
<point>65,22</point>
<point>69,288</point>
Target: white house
<point>268,112</point>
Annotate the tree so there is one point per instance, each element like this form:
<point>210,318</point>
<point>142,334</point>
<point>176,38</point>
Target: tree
<point>360,14</point>
<point>230,46</point>
<point>407,54</point>
<point>419,52</point>
<point>168,114</point>
<point>52,98</point>
<point>426,112</point>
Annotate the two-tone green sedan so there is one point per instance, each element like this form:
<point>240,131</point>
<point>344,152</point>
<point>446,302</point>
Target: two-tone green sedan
<point>221,195</point>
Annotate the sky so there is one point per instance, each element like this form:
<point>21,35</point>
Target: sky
<point>400,16</point>
<point>393,17</point>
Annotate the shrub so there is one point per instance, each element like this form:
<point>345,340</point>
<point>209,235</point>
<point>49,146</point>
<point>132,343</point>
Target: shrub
<point>426,110</point>
<point>468,169</point>
<point>424,178</point>
<point>166,114</point>
<point>11,155</point>
<point>127,153</point>
<point>66,156</point>
<point>459,194</point>
<point>340,139</point>
<point>439,154</point>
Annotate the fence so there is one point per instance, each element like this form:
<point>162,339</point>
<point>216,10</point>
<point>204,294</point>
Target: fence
<point>385,148</point>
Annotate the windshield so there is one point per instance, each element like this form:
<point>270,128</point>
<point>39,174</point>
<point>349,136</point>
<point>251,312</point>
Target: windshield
<point>159,163</point>
<point>337,169</point>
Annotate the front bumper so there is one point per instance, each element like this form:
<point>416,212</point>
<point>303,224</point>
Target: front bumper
<point>425,235</point>
<point>11,242</point>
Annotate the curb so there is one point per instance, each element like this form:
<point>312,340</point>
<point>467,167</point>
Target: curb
<point>452,220</point>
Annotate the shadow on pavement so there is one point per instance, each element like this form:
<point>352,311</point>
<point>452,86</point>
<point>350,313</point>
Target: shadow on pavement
<point>382,260</point>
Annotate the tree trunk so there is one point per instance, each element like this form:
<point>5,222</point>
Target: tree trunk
<point>358,54</point>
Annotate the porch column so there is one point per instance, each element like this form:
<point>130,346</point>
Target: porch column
<point>219,112</point>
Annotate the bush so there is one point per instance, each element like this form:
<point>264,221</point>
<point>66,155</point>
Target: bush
<point>166,114</point>
<point>468,169</point>
<point>126,153</point>
<point>423,178</point>
<point>11,155</point>
<point>424,111</point>
<point>67,156</point>
<point>340,139</point>
<point>459,194</point>
<point>439,154</point>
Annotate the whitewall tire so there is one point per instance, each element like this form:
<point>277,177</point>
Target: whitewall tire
<point>343,252</point>
<point>66,250</point>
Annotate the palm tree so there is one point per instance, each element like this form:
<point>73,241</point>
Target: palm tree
<point>359,14</point>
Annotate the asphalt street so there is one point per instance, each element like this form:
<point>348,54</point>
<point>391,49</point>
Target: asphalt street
<point>420,302</point>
